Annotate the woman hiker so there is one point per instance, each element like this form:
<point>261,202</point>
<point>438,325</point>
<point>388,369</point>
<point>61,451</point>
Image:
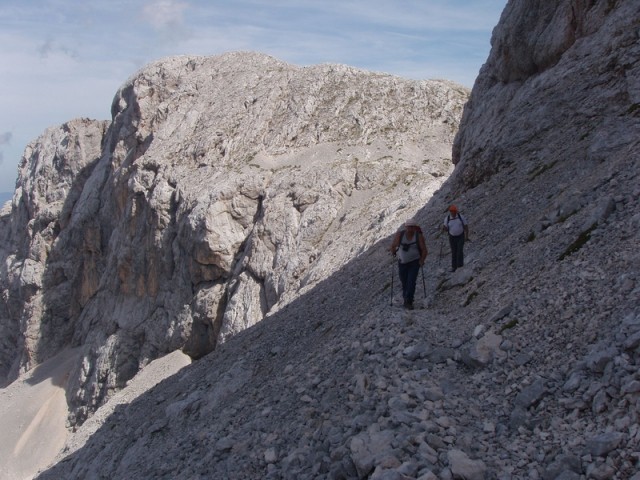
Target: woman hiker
<point>411,248</point>
<point>456,225</point>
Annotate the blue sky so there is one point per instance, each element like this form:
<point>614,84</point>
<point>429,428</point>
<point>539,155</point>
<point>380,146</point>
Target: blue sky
<point>64,59</point>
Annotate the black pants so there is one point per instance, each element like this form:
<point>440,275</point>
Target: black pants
<point>408,273</point>
<point>457,251</point>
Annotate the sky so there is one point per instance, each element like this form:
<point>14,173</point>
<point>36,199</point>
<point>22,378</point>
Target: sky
<point>65,59</point>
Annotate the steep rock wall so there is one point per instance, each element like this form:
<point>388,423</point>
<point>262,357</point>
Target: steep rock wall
<point>225,188</point>
<point>36,306</point>
<point>557,71</point>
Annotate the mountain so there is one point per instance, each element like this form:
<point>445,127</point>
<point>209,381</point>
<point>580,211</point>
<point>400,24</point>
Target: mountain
<point>223,189</point>
<point>521,364</point>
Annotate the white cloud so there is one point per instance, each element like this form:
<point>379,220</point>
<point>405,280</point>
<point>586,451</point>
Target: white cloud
<point>163,14</point>
<point>167,18</point>
<point>50,47</point>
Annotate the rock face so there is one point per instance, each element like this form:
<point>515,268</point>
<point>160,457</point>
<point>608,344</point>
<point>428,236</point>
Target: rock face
<point>562,76</point>
<point>523,364</point>
<point>223,188</point>
<point>35,281</point>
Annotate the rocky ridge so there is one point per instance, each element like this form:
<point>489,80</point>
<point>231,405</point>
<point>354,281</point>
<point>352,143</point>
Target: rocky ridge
<point>521,365</point>
<point>223,188</point>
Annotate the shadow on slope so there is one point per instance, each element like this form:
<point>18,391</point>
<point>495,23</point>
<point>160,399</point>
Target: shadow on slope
<point>306,328</point>
<point>513,284</point>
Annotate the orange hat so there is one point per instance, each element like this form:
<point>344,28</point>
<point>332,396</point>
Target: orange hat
<point>453,209</point>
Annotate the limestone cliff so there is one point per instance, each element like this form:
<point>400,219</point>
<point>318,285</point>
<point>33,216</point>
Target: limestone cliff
<point>222,189</point>
<point>560,85</point>
<point>36,279</point>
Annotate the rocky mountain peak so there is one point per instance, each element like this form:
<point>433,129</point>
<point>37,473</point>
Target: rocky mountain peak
<point>222,189</point>
<point>521,364</point>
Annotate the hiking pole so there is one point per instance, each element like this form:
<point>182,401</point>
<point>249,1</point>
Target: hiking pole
<point>424,285</point>
<point>392,269</point>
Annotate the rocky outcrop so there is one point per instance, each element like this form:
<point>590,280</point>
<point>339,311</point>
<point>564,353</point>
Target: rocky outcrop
<point>36,307</point>
<point>522,364</point>
<point>224,188</point>
<point>562,76</point>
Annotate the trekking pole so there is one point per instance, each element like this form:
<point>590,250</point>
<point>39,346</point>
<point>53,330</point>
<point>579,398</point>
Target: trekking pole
<point>392,269</point>
<point>424,285</point>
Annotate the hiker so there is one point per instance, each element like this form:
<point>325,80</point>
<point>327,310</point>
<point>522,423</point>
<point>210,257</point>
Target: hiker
<point>458,229</point>
<point>412,251</point>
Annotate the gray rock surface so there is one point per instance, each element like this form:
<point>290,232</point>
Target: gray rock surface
<point>224,188</point>
<point>537,366</point>
<point>35,282</point>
